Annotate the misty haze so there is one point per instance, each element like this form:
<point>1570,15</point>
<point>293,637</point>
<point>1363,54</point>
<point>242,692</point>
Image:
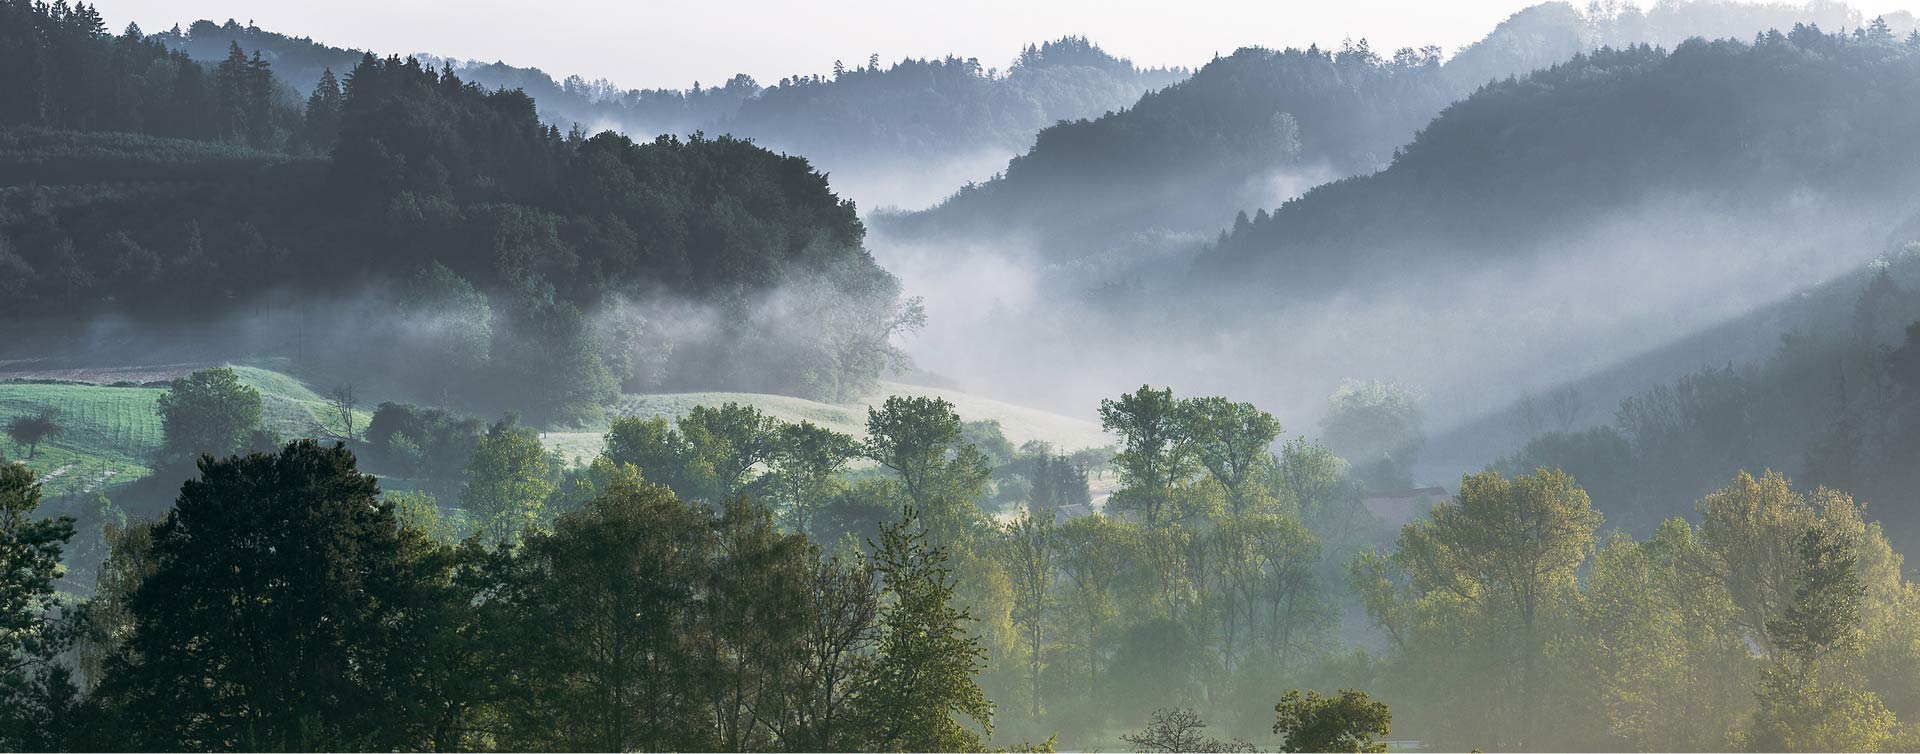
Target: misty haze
<point>1067,377</point>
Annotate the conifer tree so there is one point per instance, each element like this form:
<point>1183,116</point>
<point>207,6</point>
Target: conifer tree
<point>323,113</point>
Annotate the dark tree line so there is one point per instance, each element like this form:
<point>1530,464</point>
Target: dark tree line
<point>910,109</point>
<point>948,105</point>
<point>66,71</point>
<point>296,60</point>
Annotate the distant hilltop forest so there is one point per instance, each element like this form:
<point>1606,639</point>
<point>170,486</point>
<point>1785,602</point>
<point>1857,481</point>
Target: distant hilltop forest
<point>1112,196</point>
<point>857,112</point>
<point>501,246</point>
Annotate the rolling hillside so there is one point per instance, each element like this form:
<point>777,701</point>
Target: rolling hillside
<point>110,433</point>
<point>1251,130</point>
<point>112,428</point>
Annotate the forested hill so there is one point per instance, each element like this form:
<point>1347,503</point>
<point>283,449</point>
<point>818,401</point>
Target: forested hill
<point>1252,129</point>
<point>522,267</point>
<point>863,116</point>
<point>1823,385</point>
<point>949,106</point>
<point>1792,118</point>
<point>301,61</point>
<point>1179,155</point>
<point>64,70</point>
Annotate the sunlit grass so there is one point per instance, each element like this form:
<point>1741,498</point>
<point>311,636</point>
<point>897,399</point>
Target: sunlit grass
<point>112,433</point>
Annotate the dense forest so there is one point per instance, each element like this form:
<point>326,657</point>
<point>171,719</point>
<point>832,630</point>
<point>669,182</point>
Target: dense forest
<point>508,246</point>
<point>1743,170</point>
<point>65,71</point>
<point>1178,153</point>
<point>1113,197</point>
<point>363,402</point>
<point>1831,402</point>
<point>861,120</point>
<point>1826,111</point>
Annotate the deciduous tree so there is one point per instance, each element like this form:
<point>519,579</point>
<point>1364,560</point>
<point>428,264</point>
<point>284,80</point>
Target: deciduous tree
<point>35,428</point>
<point>208,412</point>
<point>1155,455</point>
<point>807,462</point>
<point>1233,441</point>
<point>508,482</point>
<point>271,618</point>
<point>1510,547</point>
<point>1349,722</point>
<point>923,687</point>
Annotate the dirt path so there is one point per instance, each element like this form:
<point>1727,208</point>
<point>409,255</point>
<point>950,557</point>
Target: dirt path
<point>55,474</point>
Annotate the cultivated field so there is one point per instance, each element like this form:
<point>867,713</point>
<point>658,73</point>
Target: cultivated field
<point>112,432</point>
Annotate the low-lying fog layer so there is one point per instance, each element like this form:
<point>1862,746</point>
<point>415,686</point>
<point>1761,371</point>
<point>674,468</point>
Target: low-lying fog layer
<point>1470,339</point>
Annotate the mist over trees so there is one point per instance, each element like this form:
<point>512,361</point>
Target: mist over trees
<point>512,246</point>
<point>1248,131</point>
<point>360,403</point>
<point>1830,401</point>
<point>1511,212</point>
<point>914,109</point>
<point>860,117</point>
<point>1778,91</point>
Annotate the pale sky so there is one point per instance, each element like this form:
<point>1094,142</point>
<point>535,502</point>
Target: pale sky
<point>672,44</point>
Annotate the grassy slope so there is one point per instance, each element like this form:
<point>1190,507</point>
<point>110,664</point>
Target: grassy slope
<point>292,409</point>
<point>112,431</point>
<point>1018,422</point>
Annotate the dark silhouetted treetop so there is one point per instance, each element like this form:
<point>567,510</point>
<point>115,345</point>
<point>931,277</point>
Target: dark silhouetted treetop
<point>64,70</point>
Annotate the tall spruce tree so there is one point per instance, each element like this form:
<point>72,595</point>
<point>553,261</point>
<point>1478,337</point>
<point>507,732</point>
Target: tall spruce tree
<point>323,114</point>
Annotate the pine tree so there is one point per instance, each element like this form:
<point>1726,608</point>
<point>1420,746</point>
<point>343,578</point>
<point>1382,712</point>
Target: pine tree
<point>231,80</point>
<point>86,20</point>
<point>1879,29</point>
<point>323,113</point>
<point>260,101</point>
